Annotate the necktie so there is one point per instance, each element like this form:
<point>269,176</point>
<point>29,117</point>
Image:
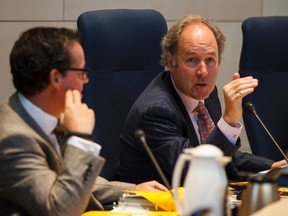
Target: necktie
<point>60,135</point>
<point>205,123</point>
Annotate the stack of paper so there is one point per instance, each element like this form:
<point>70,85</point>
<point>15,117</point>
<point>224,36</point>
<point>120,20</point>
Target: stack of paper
<point>144,203</point>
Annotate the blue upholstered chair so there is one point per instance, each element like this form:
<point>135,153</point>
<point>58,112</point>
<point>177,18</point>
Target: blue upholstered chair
<point>122,47</point>
<point>264,56</point>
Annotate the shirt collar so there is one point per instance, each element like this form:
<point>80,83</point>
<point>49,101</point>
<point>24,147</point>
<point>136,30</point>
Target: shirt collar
<point>189,103</point>
<point>46,121</point>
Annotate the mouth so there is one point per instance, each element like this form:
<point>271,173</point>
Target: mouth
<point>201,84</point>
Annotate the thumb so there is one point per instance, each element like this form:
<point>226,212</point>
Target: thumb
<point>236,76</point>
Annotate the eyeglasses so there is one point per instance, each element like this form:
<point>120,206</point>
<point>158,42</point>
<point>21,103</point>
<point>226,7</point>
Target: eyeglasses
<point>84,74</point>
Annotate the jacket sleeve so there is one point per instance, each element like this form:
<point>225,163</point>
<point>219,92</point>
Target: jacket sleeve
<point>247,162</point>
<point>33,179</point>
<point>108,192</point>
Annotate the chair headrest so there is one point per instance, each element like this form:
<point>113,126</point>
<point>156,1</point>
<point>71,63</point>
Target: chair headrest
<point>265,44</point>
<point>122,39</point>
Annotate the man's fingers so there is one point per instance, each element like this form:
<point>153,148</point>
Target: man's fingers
<point>68,98</point>
<point>72,97</point>
<point>241,84</point>
<point>77,97</point>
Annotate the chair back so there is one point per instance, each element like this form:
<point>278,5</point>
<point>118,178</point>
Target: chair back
<point>122,48</point>
<point>264,56</point>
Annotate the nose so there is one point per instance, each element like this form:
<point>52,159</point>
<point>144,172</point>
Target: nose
<point>86,80</point>
<point>202,69</point>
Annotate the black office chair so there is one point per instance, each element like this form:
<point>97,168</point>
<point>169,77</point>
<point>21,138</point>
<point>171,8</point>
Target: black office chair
<point>122,47</point>
<point>264,56</point>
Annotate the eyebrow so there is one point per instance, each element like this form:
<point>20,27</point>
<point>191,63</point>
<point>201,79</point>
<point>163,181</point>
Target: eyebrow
<point>209,52</point>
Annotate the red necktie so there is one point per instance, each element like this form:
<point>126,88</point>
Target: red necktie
<point>205,123</point>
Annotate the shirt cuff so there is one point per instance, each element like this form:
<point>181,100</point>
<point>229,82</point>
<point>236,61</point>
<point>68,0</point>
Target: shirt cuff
<point>85,145</point>
<point>231,133</point>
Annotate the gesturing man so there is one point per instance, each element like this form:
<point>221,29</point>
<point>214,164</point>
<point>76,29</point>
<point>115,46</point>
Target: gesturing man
<point>180,108</point>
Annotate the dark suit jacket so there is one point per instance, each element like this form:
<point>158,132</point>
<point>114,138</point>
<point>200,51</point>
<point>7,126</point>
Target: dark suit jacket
<point>161,114</point>
<point>34,180</point>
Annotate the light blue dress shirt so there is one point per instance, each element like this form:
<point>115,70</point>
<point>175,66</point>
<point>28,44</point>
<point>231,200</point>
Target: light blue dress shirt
<point>48,122</point>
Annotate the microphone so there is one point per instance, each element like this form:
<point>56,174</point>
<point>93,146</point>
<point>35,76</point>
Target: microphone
<point>251,108</point>
<point>140,136</point>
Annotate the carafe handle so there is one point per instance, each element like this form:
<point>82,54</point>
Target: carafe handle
<point>177,173</point>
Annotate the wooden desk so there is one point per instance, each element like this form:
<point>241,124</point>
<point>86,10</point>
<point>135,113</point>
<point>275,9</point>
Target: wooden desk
<point>278,208</point>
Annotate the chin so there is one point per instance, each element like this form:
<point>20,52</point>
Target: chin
<point>206,94</point>
<point>200,96</point>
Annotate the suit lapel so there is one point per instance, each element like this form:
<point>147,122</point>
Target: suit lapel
<point>190,134</point>
<point>213,105</point>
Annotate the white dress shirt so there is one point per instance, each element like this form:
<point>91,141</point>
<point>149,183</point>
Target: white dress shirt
<point>48,122</point>
<point>231,133</point>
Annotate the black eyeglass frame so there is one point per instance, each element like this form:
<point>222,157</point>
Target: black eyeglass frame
<point>85,70</point>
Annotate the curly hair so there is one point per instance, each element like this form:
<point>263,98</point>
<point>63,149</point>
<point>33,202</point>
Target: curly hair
<point>170,41</point>
<point>36,52</point>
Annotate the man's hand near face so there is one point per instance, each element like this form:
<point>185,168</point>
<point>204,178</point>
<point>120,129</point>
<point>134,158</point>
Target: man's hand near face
<point>77,117</point>
<point>234,92</point>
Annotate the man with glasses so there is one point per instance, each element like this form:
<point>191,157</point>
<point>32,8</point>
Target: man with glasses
<point>37,176</point>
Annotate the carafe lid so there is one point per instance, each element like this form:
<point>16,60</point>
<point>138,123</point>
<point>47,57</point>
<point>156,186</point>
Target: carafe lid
<point>205,150</point>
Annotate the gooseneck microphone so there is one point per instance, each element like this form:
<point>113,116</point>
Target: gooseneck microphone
<point>251,108</point>
<point>140,136</point>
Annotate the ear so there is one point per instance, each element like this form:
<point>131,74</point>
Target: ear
<point>170,63</point>
<point>55,77</point>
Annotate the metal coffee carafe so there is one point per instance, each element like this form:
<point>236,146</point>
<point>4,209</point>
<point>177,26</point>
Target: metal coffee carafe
<point>261,191</point>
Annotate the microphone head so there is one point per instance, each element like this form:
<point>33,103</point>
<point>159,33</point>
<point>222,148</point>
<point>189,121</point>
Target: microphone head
<point>250,107</point>
<point>139,134</point>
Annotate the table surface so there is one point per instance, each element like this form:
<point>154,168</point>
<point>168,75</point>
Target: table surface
<point>278,208</point>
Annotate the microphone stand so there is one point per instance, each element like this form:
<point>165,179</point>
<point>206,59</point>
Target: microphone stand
<point>140,135</point>
<point>251,108</point>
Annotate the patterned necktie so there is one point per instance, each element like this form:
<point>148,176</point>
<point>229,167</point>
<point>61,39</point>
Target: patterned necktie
<point>205,123</point>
